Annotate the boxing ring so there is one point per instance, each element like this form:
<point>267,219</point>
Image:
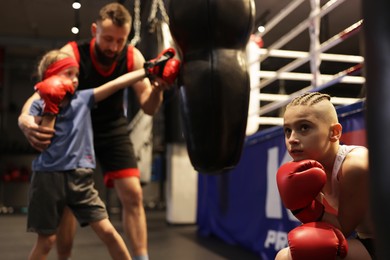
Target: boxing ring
<point>242,206</point>
<point>318,52</point>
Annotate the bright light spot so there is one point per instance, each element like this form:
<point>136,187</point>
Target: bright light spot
<point>76,5</point>
<point>75,30</point>
<point>261,28</point>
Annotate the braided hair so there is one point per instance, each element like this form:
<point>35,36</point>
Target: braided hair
<point>309,99</point>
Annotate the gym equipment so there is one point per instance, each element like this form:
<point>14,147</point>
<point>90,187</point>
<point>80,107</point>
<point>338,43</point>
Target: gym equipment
<point>214,82</point>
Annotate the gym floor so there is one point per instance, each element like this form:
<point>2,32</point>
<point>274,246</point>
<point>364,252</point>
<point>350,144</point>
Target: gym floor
<point>166,241</point>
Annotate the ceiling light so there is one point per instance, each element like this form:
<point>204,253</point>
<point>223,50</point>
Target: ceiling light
<point>261,29</point>
<point>76,5</point>
<point>75,30</point>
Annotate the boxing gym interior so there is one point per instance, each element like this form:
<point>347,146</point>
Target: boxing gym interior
<point>208,178</point>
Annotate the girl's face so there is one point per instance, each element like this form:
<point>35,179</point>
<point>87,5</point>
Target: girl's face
<point>306,133</point>
<point>71,73</point>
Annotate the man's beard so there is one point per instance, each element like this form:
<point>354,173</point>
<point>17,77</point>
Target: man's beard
<point>103,59</point>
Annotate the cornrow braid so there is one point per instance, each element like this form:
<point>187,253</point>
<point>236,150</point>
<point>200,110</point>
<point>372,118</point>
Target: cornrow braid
<point>309,99</point>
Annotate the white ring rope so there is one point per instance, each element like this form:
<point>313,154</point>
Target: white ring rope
<point>261,79</point>
<point>336,79</point>
<point>281,15</point>
<point>314,30</point>
<point>308,77</point>
<point>340,37</point>
<point>301,27</point>
<point>301,54</point>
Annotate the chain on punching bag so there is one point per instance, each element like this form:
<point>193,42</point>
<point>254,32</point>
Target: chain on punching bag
<point>161,27</point>
<point>214,81</point>
<point>141,125</point>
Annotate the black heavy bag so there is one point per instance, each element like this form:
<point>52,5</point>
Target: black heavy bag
<point>214,82</point>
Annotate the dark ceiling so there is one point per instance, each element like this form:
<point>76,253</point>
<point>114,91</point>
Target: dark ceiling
<point>30,28</point>
<point>32,25</point>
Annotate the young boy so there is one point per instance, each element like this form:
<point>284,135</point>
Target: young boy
<point>62,174</point>
<point>334,175</point>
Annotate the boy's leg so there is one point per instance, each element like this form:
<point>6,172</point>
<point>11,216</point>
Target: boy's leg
<point>111,238</point>
<point>45,207</point>
<point>65,235</point>
<point>42,247</point>
<point>86,204</point>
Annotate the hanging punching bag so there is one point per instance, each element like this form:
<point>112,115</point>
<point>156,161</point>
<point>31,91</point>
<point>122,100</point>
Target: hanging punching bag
<point>214,82</point>
<point>377,65</point>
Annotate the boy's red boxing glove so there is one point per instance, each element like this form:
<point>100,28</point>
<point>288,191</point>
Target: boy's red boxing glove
<point>299,183</point>
<point>163,66</point>
<point>53,90</point>
<point>171,70</point>
<point>317,240</point>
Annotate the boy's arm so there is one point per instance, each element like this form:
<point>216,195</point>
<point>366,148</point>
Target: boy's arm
<point>126,80</point>
<point>37,135</point>
<point>48,121</point>
<point>163,71</point>
<point>53,91</point>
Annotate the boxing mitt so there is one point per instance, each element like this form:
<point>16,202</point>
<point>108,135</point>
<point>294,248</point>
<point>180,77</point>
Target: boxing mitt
<point>317,240</point>
<point>163,66</point>
<point>53,90</point>
<point>299,183</point>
